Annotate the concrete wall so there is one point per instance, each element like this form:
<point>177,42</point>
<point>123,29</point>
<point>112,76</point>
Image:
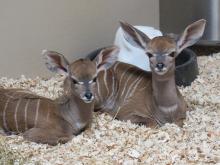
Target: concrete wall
<point>71,27</point>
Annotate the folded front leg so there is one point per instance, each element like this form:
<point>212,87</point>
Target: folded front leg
<point>45,136</point>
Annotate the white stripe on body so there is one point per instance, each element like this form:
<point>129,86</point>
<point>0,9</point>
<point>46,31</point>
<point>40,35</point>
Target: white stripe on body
<point>105,82</point>
<point>36,115</point>
<point>109,100</point>
<point>98,91</point>
<point>4,113</point>
<point>133,87</point>
<point>120,81</point>
<point>25,114</point>
<point>48,113</point>
<point>15,114</point>
<point>122,76</point>
<point>126,83</point>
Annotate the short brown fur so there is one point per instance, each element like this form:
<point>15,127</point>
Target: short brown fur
<point>43,120</point>
<point>128,93</point>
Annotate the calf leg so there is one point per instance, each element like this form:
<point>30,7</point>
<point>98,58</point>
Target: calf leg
<point>134,117</point>
<point>140,120</point>
<point>45,136</point>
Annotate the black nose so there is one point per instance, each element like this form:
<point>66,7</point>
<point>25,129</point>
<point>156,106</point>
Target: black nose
<point>80,130</point>
<point>88,95</point>
<point>160,66</point>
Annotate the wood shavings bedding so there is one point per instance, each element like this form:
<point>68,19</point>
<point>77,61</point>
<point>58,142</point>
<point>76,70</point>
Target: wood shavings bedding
<point>114,142</point>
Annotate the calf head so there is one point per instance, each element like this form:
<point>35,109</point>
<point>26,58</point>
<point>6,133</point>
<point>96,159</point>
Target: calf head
<point>81,74</point>
<point>163,50</point>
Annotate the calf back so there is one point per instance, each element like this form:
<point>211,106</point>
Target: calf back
<point>122,86</point>
<point>21,110</point>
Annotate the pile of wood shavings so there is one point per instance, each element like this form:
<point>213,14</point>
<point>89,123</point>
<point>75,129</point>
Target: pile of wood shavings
<point>114,142</point>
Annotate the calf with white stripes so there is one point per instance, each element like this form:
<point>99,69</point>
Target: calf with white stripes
<point>43,120</point>
<point>150,98</point>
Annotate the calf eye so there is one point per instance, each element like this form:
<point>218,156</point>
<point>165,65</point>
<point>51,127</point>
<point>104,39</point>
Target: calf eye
<point>94,80</point>
<point>75,81</point>
<point>172,54</point>
<point>149,55</point>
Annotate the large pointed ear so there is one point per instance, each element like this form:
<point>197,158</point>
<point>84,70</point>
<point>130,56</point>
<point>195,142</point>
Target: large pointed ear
<point>134,36</point>
<point>191,35</point>
<point>55,62</point>
<point>106,58</point>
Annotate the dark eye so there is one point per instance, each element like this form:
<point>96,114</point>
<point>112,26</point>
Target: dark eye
<point>150,55</point>
<point>94,80</point>
<point>172,54</point>
<point>75,81</point>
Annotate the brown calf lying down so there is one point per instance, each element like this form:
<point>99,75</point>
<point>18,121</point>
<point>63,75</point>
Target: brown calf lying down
<point>43,120</point>
<point>128,93</point>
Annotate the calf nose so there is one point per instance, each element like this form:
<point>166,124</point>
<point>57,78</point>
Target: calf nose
<point>88,95</point>
<point>160,66</point>
<point>80,130</point>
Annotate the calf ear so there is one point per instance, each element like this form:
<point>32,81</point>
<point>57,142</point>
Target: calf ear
<point>134,36</point>
<point>55,62</point>
<point>191,35</point>
<point>106,58</point>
